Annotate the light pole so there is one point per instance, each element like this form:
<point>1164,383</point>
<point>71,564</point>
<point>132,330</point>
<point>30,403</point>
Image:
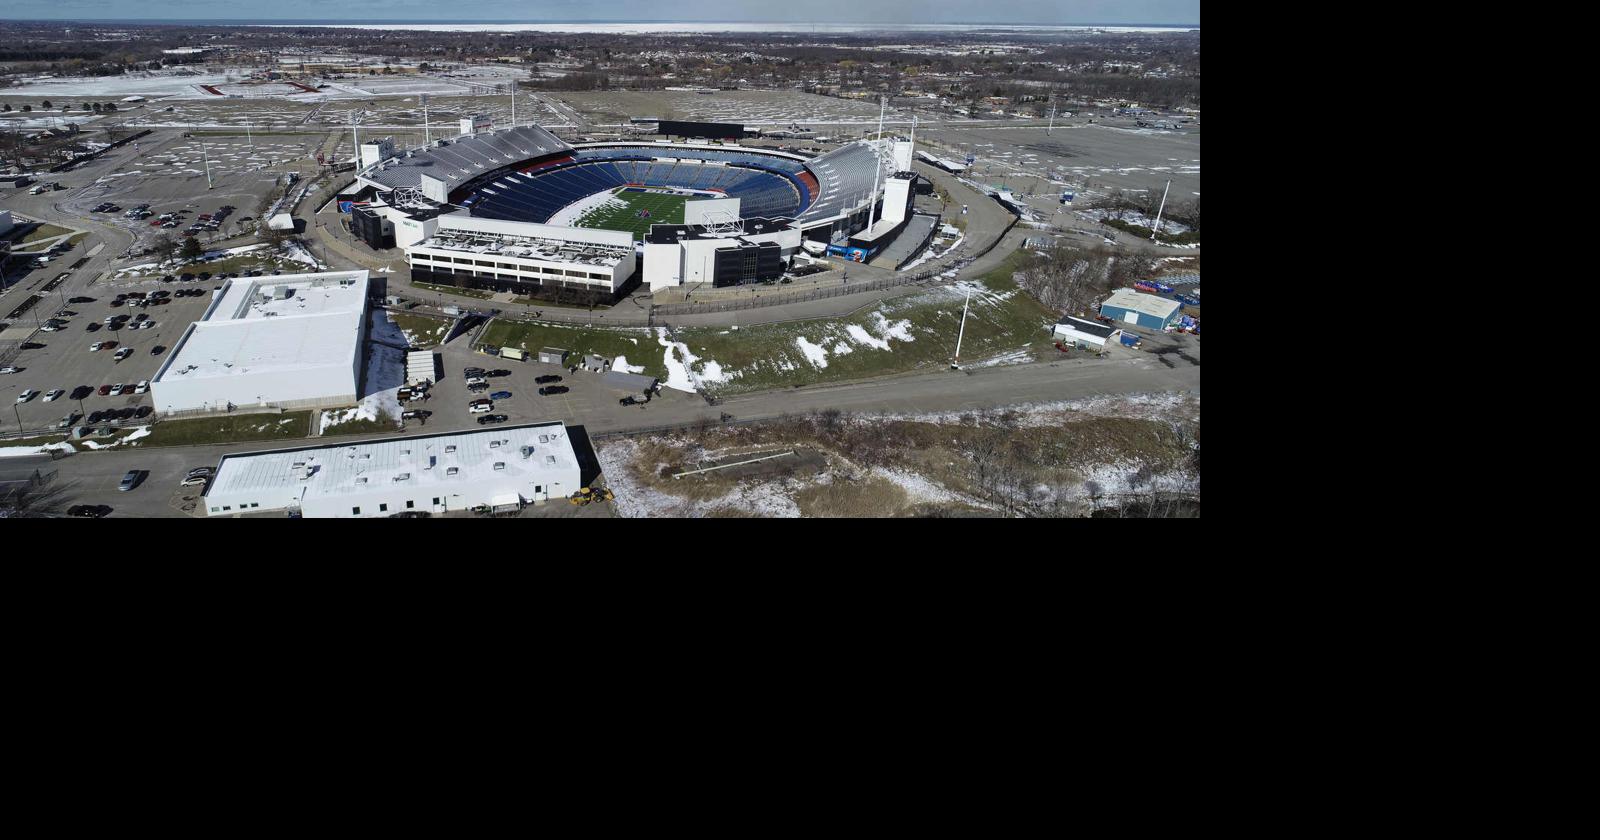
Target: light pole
<point>18,410</point>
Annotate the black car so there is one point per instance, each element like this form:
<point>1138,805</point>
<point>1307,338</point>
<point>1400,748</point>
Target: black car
<point>478,387</point>
<point>546,380</point>
<point>80,300</point>
<point>186,278</point>
<point>94,326</point>
<point>32,345</point>
<point>81,391</point>
<point>493,373</point>
<point>142,411</point>
<point>88,511</point>
<point>126,413</point>
<point>553,390</point>
<point>631,400</point>
<point>156,350</point>
<point>489,419</point>
<point>471,372</point>
<point>96,417</point>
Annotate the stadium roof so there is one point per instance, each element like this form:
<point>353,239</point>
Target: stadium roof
<point>458,160</point>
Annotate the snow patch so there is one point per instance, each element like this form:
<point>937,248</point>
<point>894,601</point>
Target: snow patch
<point>815,354</point>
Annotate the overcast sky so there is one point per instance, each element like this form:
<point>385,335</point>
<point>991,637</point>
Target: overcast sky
<point>465,11</point>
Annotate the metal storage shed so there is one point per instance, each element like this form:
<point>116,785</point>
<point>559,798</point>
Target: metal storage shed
<point>1139,309</point>
<point>552,355</point>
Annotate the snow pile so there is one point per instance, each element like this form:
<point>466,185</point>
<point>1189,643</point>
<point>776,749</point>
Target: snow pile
<point>677,371</point>
<point>815,354</point>
<point>621,363</point>
<point>859,335</point>
<point>14,451</point>
<point>897,330</point>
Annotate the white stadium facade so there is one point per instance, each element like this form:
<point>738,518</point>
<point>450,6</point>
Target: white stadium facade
<point>492,210</point>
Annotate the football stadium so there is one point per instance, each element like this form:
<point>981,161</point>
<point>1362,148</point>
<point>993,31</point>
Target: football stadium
<point>519,210</point>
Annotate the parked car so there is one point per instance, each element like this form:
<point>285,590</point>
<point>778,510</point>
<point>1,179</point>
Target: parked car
<point>546,380</point>
<point>88,511</point>
<point>82,391</point>
<point>123,353</point>
<point>476,380</point>
<point>27,394</point>
<point>80,300</point>
<point>96,417</point>
<point>142,387</point>
<point>416,414</point>
<point>478,387</point>
<point>194,480</point>
<point>157,350</point>
<point>473,372</point>
<point>552,390</point>
<point>9,369</point>
<point>479,408</point>
<point>143,411</point>
<point>105,390</point>
<point>131,480</point>
<point>117,389</point>
<point>53,395</point>
<point>500,372</point>
<point>490,419</point>
<point>94,326</point>
<point>631,400</point>
<point>500,395</point>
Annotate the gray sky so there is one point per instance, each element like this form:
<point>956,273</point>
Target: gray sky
<point>465,11</point>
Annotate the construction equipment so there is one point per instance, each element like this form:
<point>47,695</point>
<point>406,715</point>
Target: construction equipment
<point>591,494</point>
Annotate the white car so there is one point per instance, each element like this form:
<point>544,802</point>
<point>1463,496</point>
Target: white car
<point>53,395</point>
<point>117,389</point>
<point>123,353</point>
<point>9,369</point>
<point>481,408</point>
<point>194,480</point>
<point>27,395</point>
<point>95,347</point>
<point>143,386</point>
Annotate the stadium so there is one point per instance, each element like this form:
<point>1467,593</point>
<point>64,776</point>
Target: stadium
<point>549,203</point>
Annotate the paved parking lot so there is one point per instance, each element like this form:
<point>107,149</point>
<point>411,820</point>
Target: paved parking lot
<point>587,402</point>
<point>65,361</point>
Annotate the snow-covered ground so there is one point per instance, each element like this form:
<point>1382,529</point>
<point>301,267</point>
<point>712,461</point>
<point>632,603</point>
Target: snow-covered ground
<point>385,373</point>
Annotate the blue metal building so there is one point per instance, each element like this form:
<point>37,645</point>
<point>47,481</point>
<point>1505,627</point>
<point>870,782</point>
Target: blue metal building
<point>1149,311</point>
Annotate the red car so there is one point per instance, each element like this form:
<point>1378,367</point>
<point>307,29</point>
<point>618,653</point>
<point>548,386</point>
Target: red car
<point>155,223</point>
<point>105,390</point>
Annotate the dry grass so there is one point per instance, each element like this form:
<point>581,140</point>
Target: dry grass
<point>872,498</point>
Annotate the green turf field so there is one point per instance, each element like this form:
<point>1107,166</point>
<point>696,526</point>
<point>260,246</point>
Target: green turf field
<point>664,210</point>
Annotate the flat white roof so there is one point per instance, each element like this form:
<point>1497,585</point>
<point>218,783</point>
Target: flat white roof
<point>284,323</point>
<point>531,455</point>
<point>1155,307</point>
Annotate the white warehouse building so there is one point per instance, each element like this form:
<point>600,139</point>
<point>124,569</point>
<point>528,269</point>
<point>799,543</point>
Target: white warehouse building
<point>502,468</point>
<point>291,340</point>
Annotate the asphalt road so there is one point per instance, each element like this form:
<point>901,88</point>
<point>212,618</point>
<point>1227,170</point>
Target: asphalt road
<point>92,477</point>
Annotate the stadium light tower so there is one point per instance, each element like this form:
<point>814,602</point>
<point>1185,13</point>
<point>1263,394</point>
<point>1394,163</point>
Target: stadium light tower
<point>427,134</point>
<point>1163,206</point>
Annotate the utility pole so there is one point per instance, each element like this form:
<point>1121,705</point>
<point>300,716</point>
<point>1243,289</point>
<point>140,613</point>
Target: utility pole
<point>513,104</point>
<point>427,134</point>
<point>1052,125</point>
<point>957,363</point>
<point>355,140</point>
<point>247,136</point>
<point>206,156</point>
<point>1163,206</point>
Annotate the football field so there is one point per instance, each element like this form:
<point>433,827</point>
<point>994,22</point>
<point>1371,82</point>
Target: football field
<point>663,209</point>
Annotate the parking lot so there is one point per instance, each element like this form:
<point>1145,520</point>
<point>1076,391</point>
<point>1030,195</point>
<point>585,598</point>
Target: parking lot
<point>588,401</point>
<point>65,361</point>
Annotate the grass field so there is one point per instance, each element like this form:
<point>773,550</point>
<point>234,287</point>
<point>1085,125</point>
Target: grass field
<point>229,429</point>
<point>900,335</point>
<point>639,345</point>
<point>664,210</point>
<point>421,330</point>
